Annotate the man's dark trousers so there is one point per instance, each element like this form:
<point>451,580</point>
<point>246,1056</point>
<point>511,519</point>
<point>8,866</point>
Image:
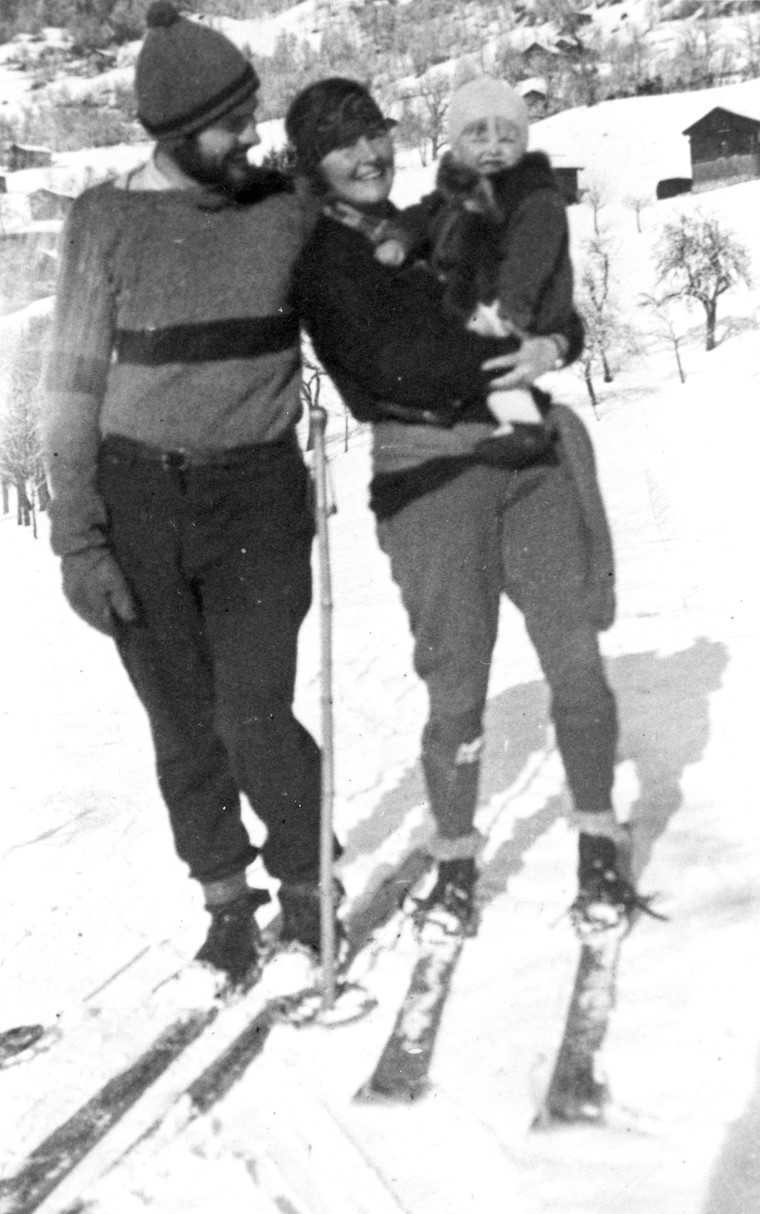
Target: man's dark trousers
<point>217,555</point>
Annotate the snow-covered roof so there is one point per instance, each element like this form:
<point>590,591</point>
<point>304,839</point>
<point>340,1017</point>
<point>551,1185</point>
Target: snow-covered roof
<point>36,150</point>
<point>534,84</point>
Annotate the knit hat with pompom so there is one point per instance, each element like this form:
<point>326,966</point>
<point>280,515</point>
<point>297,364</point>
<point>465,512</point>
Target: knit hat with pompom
<point>187,75</point>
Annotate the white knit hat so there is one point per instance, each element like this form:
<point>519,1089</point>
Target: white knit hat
<point>486,98</point>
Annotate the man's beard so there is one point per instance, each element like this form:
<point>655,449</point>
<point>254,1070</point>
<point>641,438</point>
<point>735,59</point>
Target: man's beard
<point>227,173</point>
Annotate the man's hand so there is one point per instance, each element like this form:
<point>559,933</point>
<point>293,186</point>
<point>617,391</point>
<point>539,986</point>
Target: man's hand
<point>534,358</point>
<point>96,589</point>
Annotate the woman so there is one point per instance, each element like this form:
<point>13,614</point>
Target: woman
<point>462,515</point>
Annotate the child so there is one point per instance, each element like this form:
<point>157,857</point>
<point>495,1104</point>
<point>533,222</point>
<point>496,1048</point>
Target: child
<point>494,231</point>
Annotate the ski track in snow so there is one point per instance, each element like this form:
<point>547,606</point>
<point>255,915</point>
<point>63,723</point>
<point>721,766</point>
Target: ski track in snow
<point>97,910</point>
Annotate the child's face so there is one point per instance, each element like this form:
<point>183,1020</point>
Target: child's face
<point>489,145</point>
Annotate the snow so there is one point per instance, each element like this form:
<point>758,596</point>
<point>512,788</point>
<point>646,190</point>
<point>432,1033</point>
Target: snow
<point>641,136</point>
<point>261,34</point>
<point>99,912</point>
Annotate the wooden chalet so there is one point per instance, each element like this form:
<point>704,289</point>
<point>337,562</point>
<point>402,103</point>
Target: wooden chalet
<point>533,93</point>
<point>19,156</point>
<point>724,148</point>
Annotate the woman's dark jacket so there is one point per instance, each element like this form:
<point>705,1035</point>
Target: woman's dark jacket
<point>385,338</point>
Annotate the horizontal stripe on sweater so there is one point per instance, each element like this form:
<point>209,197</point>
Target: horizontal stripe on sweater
<point>209,341</point>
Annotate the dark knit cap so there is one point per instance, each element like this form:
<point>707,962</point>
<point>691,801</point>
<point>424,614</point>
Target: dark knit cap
<point>332,113</point>
<point>187,75</point>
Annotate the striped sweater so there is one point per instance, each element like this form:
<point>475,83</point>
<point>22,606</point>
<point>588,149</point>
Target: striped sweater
<point>172,328</point>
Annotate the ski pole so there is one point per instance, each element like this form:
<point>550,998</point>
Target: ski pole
<point>318,419</point>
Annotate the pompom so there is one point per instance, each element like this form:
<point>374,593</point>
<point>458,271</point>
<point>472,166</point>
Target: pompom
<point>161,13</point>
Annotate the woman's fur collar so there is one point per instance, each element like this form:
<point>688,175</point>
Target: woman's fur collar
<point>495,196</point>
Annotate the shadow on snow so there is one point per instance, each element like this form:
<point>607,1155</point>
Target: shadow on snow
<point>664,706</point>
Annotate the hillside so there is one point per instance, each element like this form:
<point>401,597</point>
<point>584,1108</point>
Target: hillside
<point>628,145</point>
<point>572,51</point>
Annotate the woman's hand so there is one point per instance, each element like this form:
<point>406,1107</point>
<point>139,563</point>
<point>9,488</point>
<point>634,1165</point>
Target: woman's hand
<point>535,356</point>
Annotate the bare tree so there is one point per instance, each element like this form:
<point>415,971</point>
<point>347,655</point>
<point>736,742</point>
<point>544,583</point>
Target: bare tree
<point>20,446</point>
<point>434,94</point>
<point>637,203</point>
<point>750,43</point>
<point>629,57</point>
<point>410,130</point>
<point>596,197</point>
<point>606,334</point>
<point>698,259</point>
<point>696,58</point>
<point>664,326</point>
<point>423,117</point>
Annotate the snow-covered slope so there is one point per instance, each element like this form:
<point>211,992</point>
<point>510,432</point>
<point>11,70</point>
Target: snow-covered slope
<point>632,143</point>
<point>92,881</point>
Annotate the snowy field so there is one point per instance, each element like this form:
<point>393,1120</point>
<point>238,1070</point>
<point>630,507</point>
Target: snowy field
<point>98,911</point>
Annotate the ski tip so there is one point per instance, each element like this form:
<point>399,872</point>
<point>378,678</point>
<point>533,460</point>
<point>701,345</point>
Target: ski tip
<point>20,1041</point>
<point>547,1119</point>
<point>606,1115</point>
<point>374,1092</point>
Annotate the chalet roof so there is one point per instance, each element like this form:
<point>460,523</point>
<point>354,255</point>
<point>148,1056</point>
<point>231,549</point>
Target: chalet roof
<point>45,192</point>
<point>538,48</point>
<point>28,147</point>
<point>533,84</point>
<point>745,119</point>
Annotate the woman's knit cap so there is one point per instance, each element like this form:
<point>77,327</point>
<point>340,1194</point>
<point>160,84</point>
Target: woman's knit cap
<point>332,113</point>
<point>187,75</point>
<point>485,98</point>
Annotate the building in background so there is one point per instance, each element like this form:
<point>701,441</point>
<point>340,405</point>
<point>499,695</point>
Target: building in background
<point>724,148</point>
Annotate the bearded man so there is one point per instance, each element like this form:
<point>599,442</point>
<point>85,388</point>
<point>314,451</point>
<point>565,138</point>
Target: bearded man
<point>180,497</point>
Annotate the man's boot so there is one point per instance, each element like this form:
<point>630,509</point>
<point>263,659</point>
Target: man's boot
<point>233,941</point>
